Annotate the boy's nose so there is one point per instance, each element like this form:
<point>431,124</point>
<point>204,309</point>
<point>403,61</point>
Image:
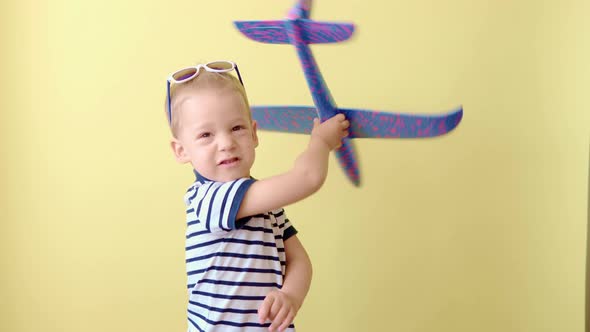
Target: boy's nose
<point>226,142</point>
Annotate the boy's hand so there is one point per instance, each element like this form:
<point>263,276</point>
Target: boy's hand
<point>279,308</point>
<point>331,131</point>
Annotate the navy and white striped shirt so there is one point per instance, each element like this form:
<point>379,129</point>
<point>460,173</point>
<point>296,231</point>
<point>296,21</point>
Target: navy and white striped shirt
<point>231,264</point>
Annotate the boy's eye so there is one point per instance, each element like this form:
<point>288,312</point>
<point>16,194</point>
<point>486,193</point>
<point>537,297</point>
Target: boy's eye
<point>236,128</point>
<point>204,135</point>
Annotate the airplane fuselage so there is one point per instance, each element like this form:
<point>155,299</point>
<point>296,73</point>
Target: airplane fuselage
<point>321,95</point>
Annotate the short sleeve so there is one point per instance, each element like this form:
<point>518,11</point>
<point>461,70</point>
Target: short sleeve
<point>214,205</point>
<point>284,224</point>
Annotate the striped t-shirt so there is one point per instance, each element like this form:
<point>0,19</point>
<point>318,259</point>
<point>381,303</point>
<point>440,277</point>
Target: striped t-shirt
<point>231,264</point>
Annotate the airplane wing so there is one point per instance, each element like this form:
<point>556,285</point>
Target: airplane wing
<point>272,32</point>
<point>326,32</point>
<point>292,119</point>
<point>371,124</point>
<point>363,123</point>
<point>314,32</point>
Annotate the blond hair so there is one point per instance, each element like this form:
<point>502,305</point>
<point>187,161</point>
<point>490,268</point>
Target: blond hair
<point>205,80</point>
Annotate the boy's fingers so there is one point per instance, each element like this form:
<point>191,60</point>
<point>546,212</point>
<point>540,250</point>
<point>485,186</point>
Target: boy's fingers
<point>275,309</point>
<point>264,309</point>
<point>278,319</point>
<point>287,320</point>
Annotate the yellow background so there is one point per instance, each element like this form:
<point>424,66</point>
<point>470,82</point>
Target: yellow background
<point>480,230</point>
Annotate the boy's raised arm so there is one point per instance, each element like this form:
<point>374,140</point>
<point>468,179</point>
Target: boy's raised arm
<point>307,175</point>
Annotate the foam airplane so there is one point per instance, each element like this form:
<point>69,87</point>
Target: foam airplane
<point>300,31</point>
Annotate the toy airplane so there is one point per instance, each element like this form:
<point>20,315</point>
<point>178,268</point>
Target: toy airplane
<point>298,30</point>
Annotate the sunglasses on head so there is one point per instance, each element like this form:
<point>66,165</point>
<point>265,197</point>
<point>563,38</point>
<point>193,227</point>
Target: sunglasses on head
<point>189,73</point>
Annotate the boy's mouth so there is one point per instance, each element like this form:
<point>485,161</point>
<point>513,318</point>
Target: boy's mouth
<point>229,161</point>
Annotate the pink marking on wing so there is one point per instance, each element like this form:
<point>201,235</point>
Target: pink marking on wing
<point>399,122</point>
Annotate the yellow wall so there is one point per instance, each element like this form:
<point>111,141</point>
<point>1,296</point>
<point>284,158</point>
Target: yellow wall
<point>480,230</point>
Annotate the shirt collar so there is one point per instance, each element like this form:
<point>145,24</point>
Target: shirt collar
<point>201,178</point>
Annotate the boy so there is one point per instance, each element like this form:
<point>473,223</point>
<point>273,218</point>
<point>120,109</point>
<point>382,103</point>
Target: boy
<point>247,271</point>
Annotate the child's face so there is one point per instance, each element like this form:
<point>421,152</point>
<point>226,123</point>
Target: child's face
<point>216,134</point>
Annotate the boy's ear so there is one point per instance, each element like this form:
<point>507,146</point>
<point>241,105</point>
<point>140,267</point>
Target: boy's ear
<point>179,151</point>
<point>254,133</point>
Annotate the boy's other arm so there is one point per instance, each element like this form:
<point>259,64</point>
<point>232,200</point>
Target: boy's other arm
<point>281,306</point>
<point>306,177</point>
<point>298,272</point>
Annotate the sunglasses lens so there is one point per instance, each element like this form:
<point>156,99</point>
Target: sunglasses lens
<point>221,66</point>
<point>184,74</point>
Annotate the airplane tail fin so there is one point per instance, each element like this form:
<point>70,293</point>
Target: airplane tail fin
<point>314,32</point>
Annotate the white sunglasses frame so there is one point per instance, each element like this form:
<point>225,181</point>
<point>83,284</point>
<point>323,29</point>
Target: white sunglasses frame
<point>197,68</point>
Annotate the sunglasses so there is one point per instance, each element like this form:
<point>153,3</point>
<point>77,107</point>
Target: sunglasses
<point>187,74</point>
